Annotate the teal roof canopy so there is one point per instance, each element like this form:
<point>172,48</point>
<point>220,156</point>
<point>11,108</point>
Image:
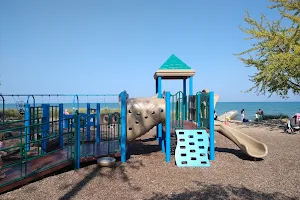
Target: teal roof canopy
<point>174,63</point>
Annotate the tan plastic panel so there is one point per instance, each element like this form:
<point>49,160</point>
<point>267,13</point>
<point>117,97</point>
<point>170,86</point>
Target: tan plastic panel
<point>143,114</point>
<point>174,73</point>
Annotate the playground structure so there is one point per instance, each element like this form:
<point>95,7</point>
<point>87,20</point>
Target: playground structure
<point>45,139</point>
<point>49,140</point>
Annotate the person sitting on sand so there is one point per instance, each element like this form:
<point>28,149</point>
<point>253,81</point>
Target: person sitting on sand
<point>256,117</point>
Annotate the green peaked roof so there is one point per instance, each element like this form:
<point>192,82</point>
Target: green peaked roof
<point>174,63</point>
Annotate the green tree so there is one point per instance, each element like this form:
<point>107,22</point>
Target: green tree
<point>276,51</point>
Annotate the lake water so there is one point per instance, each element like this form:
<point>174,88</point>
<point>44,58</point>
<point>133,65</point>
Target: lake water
<point>269,108</point>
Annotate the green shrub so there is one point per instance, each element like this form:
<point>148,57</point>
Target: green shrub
<point>107,110</point>
<point>102,111</point>
<point>15,114</point>
<point>11,114</point>
<point>279,116</point>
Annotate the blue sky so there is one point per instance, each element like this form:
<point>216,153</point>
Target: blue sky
<point>109,46</point>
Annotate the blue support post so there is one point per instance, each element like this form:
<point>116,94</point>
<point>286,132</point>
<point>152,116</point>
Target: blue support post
<point>159,126</point>
<point>156,92</point>
<point>88,128</point>
<point>156,86</point>
<point>27,127</point>
<point>168,127</point>
<point>61,125</point>
<point>32,99</point>
<point>98,123</point>
<point>191,85</point>
<point>77,141</point>
<point>199,109</point>
<point>45,126</point>
<point>211,126</point>
<point>190,94</point>
<point>123,126</point>
<point>184,106</point>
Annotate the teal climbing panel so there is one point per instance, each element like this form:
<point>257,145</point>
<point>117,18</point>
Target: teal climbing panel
<point>191,149</point>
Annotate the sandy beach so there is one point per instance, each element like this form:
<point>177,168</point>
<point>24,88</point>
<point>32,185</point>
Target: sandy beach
<point>146,175</point>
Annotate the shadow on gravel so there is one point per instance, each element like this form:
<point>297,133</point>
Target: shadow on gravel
<point>139,147</point>
<point>143,147</point>
<point>80,185</point>
<point>117,170</point>
<point>237,153</point>
<point>219,192</point>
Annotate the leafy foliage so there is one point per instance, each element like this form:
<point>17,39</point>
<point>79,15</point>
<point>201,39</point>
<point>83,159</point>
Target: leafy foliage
<point>15,114</point>
<point>279,116</point>
<point>276,53</point>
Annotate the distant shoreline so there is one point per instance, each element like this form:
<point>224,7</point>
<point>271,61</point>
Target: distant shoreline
<point>258,102</point>
<point>269,108</point>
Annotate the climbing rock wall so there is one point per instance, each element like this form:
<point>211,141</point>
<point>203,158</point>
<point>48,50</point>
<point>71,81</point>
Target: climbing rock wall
<point>143,114</point>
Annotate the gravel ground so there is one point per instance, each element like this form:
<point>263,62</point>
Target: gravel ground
<point>146,175</point>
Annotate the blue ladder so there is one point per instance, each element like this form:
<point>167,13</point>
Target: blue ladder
<point>191,149</point>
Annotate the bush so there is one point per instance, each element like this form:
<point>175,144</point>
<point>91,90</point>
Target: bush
<point>102,111</point>
<point>11,114</point>
<point>107,110</point>
<point>15,114</point>
<point>279,116</point>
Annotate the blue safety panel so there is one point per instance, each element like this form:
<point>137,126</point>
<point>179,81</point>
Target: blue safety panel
<point>191,149</point>
<point>68,121</point>
<point>87,120</point>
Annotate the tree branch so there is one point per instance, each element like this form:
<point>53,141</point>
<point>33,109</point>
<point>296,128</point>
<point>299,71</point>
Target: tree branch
<point>295,84</point>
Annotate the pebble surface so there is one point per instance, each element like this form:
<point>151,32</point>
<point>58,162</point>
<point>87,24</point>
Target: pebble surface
<point>146,175</point>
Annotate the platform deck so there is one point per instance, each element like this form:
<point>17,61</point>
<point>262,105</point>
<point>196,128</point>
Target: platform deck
<point>188,125</point>
<point>37,167</point>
